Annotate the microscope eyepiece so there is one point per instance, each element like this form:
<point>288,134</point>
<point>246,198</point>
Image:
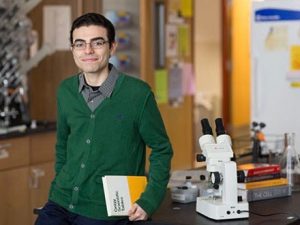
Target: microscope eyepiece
<point>262,125</point>
<point>206,128</point>
<point>219,127</point>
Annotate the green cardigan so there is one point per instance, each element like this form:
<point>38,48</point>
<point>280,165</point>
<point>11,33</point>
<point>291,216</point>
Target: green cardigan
<point>109,141</point>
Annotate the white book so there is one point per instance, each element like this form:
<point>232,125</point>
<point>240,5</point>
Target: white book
<point>121,192</point>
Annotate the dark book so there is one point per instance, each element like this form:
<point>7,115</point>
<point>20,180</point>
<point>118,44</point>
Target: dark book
<point>244,179</point>
<point>258,194</point>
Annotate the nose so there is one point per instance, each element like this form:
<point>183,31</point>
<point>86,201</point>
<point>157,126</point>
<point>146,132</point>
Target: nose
<point>88,49</point>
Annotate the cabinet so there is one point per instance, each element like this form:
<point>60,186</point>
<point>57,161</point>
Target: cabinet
<point>26,171</point>
<point>14,196</point>
<point>41,176</point>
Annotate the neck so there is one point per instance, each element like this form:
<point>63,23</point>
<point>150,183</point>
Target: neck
<point>96,79</point>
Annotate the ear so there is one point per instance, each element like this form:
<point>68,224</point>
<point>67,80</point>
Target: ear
<point>113,48</point>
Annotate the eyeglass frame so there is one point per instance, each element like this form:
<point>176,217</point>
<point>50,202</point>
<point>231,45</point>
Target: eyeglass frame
<point>90,43</point>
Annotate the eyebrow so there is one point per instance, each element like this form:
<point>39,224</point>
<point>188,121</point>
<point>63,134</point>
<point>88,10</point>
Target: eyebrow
<point>93,39</point>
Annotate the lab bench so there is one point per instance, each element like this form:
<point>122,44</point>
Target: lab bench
<point>185,214</point>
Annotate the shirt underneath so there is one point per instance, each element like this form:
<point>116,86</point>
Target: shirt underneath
<point>94,95</point>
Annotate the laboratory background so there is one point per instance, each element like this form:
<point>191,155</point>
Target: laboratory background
<point>226,78</point>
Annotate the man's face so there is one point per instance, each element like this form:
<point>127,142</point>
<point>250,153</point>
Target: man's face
<point>93,58</point>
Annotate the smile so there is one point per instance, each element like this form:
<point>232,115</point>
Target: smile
<point>89,59</point>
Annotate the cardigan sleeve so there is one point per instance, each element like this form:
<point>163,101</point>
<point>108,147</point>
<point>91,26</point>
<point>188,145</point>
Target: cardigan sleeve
<point>153,133</point>
<point>62,132</point>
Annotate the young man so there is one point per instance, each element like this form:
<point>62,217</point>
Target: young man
<point>104,121</point>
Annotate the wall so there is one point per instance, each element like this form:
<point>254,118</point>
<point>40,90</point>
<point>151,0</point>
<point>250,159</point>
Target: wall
<point>240,93</point>
<point>207,64</point>
<point>207,61</point>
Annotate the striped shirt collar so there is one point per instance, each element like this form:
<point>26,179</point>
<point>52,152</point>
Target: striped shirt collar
<point>108,85</point>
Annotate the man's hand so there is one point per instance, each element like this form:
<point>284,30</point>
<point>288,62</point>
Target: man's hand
<point>137,213</point>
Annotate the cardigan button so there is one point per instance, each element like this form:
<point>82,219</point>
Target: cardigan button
<point>88,141</point>
<point>92,116</point>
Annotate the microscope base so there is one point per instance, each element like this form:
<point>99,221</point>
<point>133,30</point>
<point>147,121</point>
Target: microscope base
<point>216,210</point>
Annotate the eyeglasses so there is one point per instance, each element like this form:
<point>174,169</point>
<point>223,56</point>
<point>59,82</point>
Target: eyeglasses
<point>94,44</point>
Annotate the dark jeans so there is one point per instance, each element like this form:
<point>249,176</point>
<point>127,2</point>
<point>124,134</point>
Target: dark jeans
<point>53,214</point>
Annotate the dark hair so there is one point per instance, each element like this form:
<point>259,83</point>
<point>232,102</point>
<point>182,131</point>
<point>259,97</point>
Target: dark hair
<point>94,19</point>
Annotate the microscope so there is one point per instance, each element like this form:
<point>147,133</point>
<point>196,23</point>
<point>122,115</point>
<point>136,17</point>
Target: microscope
<point>223,204</point>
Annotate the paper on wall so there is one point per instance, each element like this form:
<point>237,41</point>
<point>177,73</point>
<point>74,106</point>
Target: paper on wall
<point>56,25</point>
<point>171,40</point>
<point>161,86</point>
<point>175,84</point>
<point>189,84</point>
<point>184,38</point>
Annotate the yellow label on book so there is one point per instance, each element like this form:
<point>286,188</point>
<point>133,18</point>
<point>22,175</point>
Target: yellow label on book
<point>263,183</point>
<point>137,186</point>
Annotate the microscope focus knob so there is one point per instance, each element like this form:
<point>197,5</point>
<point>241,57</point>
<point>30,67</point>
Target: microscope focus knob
<point>200,158</point>
<point>216,186</point>
<point>202,177</point>
<point>216,179</point>
<point>241,176</point>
